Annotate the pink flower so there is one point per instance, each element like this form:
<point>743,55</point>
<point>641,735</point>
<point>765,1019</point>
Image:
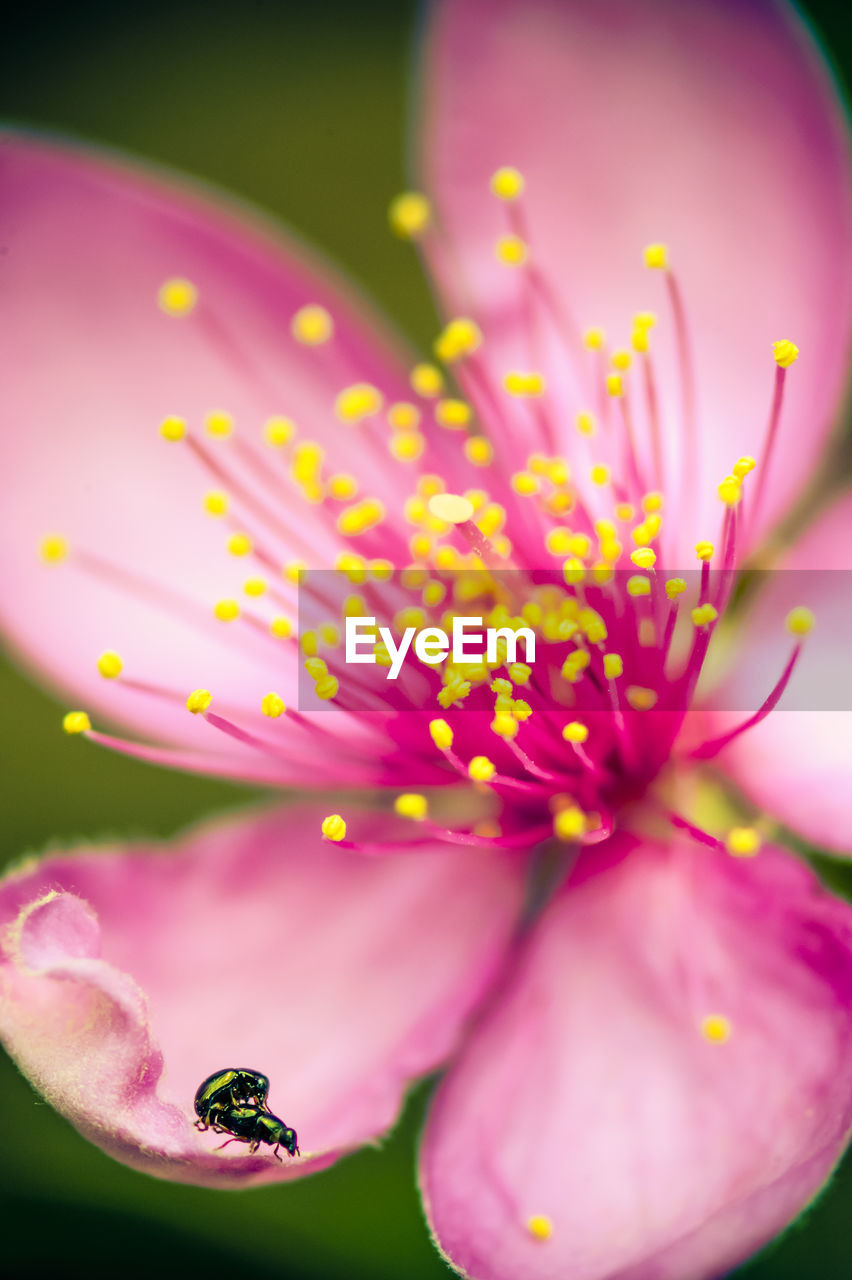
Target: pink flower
<point>647,1074</point>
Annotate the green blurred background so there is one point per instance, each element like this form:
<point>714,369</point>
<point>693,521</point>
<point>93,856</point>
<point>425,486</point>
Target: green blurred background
<point>302,109</point>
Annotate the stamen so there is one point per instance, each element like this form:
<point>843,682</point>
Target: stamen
<point>53,549</point>
<point>410,215</point>
<point>411,805</point>
<point>312,326</point>
<point>76,722</point>
<point>540,1226</point>
<point>273,706</point>
<point>177,297</point>
<point>716,1028</point>
<point>110,665</point>
<point>743,842</point>
<point>334,827</point>
<point>507,183</point>
<point>785,354</point>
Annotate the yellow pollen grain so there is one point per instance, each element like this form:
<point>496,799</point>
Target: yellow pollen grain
<point>640,698</point>
<point>216,502</point>
<point>624,511</point>
<point>460,338</point>
<point>451,507</point>
<point>312,325</point>
<point>743,842</point>
<point>704,550</point>
<point>360,517</point>
<point>621,360</point>
<point>441,733</point>
<point>507,183</point>
<point>478,450</point>
<point>411,805</point>
<point>427,380</point>
<point>644,557</point>
<point>585,423</point>
<point>785,353</point>
<point>613,665</point>
<point>342,486</point>
<point>110,665</point>
<point>76,722</point>
<point>292,569</point>
<point>599,474</point>
<point>594,338</point>
<point>639,340</point>
<point>404,416</point>
<point>524,483</point>
<point>361,400</point>
<point>644,320</point>
<point>614,385</point>
<point>569,823</point>
<point>281,628</point>
<point>540,1226</point>
<point>240,544</point>
<point>255,586</point>
<point>716,1028</point>
<point>53,549</point>
<point>173,428</point>
<point>408,447</point>
<point>219,424</point>
<point>511,250</point>
<point>652,502</point>
<point>481,769</point>
<point>453,414</point>
<point>278,431</point>
<point>272,705</point>
<point>575,732</point>
<point>177,297</point>
<point>226,610</point>
<point>524,385</point>
<point>198,701</point>
<point>656,256</point>
<point>799,621</point>
<point>334,827</point>
<point>410,215</point>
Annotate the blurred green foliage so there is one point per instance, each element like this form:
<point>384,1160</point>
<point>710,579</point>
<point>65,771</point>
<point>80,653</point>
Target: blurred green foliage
<point>302,109</point>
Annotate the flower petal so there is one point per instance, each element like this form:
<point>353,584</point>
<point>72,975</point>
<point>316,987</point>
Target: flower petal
<point>795,764</point>
<point>590,1097</point>
<point>712,128</point>
<point>130,975</point>
<point>93,367</point>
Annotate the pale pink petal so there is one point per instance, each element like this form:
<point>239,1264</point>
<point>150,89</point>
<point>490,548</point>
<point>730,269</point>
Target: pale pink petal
<point>796,764</point>
<point>91,368</point>
<point>590,1096</point>
<point>711,127</point>
<point>130,975</point>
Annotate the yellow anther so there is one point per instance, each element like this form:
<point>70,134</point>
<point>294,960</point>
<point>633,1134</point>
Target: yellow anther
<point>53,549</point>
<point>644,320</point>
<point>198,701</point>
<point>459,338</point>
<point>594,338</point>
<point>334,827</point>
<point>173,429</point>
<point>675,587</point>
<point>312,325</point>
<point>309,644</point>
<point>219,424</point>
<point>574,665</point>
<point>640,698</point>
<point>511,250</point>
<point>585,423</point>
<point>638,585</point>
<point>478,450</point>
<point>704,550</point>
<point>505,726</point>
<point>293,569</point>
<point>354,566</point>
<point>240,544</point>
<point>602,573</point>
<point>272,705</point>
<point>599,474</point>
<point>76,722</point>
<point>624,511</point>
<point>216,502</point>
<point>621,360</point>
<point>521,710</point>
<point>278,431</point>
<point>254,586</point>
<point>575,732</point>
<point>573,571</point>
<point>613,665</point>
<point>743,842</point>
<point>454,414</point>
<point>558,471</point>
<point>652,502</point>
<point>704,614</point>
<point>429,485</point>
<point>315,667</point>
<point>716,1028</point>
<point>281,628</point>
<point>520,672</point>
<point>409,215</point>
<point>743,466</point>
<point>507,183</point>
<point>639,340</point>
<point>644,557</point>
<point>329,634</point>
<point>799,621</point>
<point>525,484</point>
<point>569,823</point>
<point>342,486</point>
<point>558,541</point>
<point>177,297</point>
<point>540,1226</point>
<point>656,256</point>
<point>451,507</point>
<point>411,805</point>
<point>404,416</point>
<point>730,491</point>
<point>381,570</point>
<point>785,353</point>
<point>360,517</point>
<point>614,385</point>
<point>579,545</point>
<point>524,384</point>
<point>442,734</point>
<point>110,665</point>
<point>408,447</point>
<point>361,400</point>
<point>327,688</point>
<point>427,380</point>
<point>481,769</point>
<point>226,610</point>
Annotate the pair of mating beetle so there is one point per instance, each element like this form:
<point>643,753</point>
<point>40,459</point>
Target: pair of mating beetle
<point>234,1101</point>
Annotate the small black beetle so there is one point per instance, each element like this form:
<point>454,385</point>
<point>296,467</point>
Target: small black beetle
<point>251,1125</point>
<point>219,1093</point>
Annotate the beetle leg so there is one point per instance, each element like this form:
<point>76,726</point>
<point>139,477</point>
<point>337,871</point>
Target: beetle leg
<point>225,1144</point>
<point>254,1146</point>
<point>202,1125</point>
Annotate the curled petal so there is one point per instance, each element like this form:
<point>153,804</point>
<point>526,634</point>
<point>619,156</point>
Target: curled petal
<point>664,1085</point>
<point>128,976</point>
<point>712,128</point>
